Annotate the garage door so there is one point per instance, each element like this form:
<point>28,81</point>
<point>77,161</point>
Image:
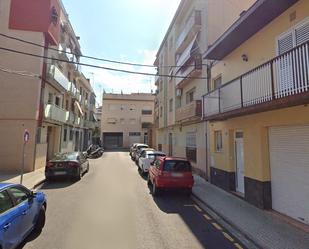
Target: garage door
<point>113,140</point>
<point>289,161</point>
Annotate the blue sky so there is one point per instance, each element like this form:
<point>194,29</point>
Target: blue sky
<point>124,30</point>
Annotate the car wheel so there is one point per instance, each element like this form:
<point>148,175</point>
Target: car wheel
<point>40,222</point>
<point>87,170</point>
<point>79,174</point>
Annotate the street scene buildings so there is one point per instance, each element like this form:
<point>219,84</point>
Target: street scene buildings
<point>226,125</point>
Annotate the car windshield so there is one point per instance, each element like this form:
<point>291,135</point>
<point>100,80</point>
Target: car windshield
<point>177,166</point>
<point>65,157</point>
<point>153,156</point>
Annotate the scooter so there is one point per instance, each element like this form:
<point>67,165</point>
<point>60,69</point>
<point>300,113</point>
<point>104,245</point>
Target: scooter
<point>94,152</point>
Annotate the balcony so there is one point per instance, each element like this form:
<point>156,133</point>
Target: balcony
<point>278,83</point>
<point>189,31</point>
<point>71,89</point>
<point>56,75</point>
<point>70,117</point>
<point>189,112</point>
<point>191,69</point>
<point>89,124</point>
<point>55,113</point>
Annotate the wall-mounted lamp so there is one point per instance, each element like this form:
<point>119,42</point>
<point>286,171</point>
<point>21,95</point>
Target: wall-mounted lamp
<point>244,57</point>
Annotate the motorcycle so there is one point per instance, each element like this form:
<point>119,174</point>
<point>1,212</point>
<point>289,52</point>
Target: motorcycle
<point>94,151</point>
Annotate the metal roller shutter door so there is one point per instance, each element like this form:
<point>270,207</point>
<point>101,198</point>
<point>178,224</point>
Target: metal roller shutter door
<point>289,162</point>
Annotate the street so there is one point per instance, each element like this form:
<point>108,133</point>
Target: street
<point>111,207</point>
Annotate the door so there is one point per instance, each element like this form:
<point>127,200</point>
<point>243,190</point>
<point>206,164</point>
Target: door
<point>239,156</point>
<point>10,227</point>
<point>26,208</point>
<point>289,157</point>
<point>50,142</point>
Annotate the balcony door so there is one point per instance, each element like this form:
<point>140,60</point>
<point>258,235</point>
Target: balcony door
<point>239,156</point>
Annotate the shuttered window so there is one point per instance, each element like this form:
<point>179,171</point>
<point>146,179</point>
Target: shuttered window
<point>191,150</point>
<point>285,43</point>
<point>302,33</point>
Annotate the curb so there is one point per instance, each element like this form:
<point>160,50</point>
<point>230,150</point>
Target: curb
<point>38,184</point>
<point>241,235</point>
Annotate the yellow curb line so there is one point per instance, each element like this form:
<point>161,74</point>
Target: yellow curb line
<point>207,217</point>
<point>228,236</point>
<point>216,226</point>
<point>237,246</point>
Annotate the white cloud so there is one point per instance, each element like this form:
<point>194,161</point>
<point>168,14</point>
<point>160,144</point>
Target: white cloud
<point>117,82</point>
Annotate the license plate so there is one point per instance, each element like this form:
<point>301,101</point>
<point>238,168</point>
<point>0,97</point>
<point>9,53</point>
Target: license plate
<point>177,175</point>
<point>60,173</point>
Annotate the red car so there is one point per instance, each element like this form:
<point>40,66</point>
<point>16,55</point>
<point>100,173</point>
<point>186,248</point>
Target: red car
<point>170,173</point>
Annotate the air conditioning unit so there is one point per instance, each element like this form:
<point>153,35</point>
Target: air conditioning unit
<point>178,92</point>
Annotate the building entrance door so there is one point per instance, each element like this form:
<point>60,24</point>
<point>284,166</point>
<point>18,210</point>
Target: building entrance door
<point>239,155</point>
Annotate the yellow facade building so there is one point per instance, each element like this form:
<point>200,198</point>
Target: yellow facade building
<point>257,107</point>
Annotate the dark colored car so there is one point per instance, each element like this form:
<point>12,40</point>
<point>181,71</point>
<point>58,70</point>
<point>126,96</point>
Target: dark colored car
<point>21,212</point>
<point>170,173</point>
<point>72,164</point>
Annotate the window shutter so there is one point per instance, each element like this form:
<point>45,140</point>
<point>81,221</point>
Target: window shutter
<point>191,139</point>
<point>302,33</point>
<point>285,43</point>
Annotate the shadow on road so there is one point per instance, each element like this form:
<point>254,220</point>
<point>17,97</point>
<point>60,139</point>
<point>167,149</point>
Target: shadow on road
<point>32,236</point>
<point>177,202</point>
<point>57,184</point>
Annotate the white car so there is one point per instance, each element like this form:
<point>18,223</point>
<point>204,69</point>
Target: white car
<point>146,158</point>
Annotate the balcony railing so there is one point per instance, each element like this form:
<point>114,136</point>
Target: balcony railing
<point>193,69</point>
<point>189,111</point>
<point>282,81</point>
<point>55,113</point>
<point>55,74</point>
<point>191,28</point>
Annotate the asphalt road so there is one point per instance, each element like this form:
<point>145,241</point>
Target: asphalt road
<point>111,207</point>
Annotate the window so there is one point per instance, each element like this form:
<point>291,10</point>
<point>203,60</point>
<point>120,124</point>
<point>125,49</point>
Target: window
<point>132,108</point>
<point>19,194</point>
<point>146,112</point>
<point>191,150</point>
<point>69,77</point>
<point>111,120</point>
<point>71,135</point>
<point>65,133</point>
<point>171,105</point>
<point>217,82</point>
<point>133,134</point>
<point>67,105</point>
<point>5,202</point>
<point>218,141</point>
<point>190,96</point>
<point>177,166</point>
<point>161,111</point>
<point>122,121</point>
<point>57,101</point>
<point>50,98</point>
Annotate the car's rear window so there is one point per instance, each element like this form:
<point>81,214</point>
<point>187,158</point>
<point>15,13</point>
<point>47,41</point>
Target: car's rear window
<point>177,166</point>
<point>65,157</point>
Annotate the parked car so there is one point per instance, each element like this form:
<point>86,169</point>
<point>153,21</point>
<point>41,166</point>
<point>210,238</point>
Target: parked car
<point>146,158</point>
<point>94,151</point>
<point>139,152</point>
<point>21,212</point>
<point>136,148</point>
<point>132,147</point>
<point>70,164</point>
<point>170,173</point>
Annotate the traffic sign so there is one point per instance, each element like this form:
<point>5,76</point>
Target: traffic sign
<point>26,136</point>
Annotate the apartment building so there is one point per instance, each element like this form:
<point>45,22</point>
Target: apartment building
<point>258,107</point>
<point>196,24</point>
<point>127,119</point>
<point>52,100</point>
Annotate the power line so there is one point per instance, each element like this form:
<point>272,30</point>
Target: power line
<point>91,57</point>
<point>100,67</point>
<point>21,73</point>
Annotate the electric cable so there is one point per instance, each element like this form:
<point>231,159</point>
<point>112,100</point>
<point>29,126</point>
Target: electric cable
<point>100,67</point>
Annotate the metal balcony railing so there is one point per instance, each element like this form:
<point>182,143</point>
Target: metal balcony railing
<point>284,76</point>
<point>193,69</point>
<point>55,113</point>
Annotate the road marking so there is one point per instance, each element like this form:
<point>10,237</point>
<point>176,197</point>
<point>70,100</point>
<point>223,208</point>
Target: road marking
<point>237,246</point>
<point>216,226</point>
<point>198,208</point>
<point>207,217</point>
<point>228,236</point>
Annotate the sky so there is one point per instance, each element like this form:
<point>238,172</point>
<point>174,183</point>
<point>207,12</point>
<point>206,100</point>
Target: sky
<point>121,30</point>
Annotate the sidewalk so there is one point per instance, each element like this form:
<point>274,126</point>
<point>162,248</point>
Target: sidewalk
<point>30,180</point>
<point>260,226</point>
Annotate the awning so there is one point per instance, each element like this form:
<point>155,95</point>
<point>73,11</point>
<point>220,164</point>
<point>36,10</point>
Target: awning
<point>188,52</point>
<point>250,22</point>
<point>79,108</point>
